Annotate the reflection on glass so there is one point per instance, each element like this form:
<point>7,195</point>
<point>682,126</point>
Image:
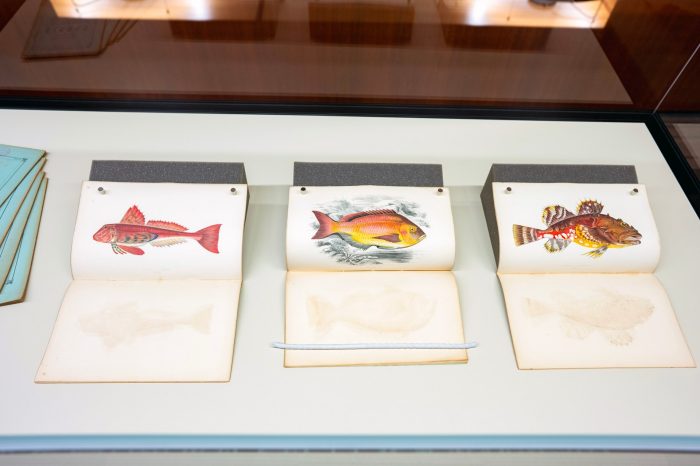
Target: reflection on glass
<point>434,52</point>
<point>528,13</point>
<point>380,22</point>
<point>685,130</point>
<point>194,10</point>
<point>55,37</point>
<point>215,20</point>
<point>248,20</point>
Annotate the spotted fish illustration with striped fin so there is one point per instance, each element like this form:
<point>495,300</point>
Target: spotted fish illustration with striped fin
<point>588,227</point>
<point>133,231</point>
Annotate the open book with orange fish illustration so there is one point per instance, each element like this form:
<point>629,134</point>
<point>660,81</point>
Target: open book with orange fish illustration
<point>371,265</point>
<point>156,282</point>
<point>576,263</point>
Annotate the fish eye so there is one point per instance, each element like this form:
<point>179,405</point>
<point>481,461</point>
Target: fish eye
<point>413,229</point>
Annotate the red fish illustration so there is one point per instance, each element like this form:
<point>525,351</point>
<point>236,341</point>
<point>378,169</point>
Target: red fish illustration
<point>133,231</point>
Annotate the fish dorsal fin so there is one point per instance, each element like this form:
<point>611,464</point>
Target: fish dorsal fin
<point>588,207</point>
<point>133,216</point>
<point>168,225</point>
<point>555,213</point>
<point>350,217</point>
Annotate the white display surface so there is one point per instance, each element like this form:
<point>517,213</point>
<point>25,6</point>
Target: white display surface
<point>487,397</point>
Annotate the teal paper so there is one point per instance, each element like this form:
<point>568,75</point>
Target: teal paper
<point>15,163</point>
<point>16,281</point>
<point>9,209</point>
<point>9,246</point>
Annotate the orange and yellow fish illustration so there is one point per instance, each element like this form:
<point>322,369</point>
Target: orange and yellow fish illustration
<point>385,229</point>
<point>588,227</point>
<point>133,231</point>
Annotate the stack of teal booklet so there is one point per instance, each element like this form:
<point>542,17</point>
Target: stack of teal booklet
<point>22,191</point>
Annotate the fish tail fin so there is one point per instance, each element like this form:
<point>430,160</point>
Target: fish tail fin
<point>523,235</point>
<point>326,225</point>
<point>209,238</point>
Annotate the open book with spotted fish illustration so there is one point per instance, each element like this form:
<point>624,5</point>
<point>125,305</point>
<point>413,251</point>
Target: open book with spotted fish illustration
<point>156,282</point>
<point>576,263</point>
<point>369,265</point>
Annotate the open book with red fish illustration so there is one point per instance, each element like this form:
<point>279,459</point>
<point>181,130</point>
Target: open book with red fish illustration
<point>576,263</point>
<point>371,265</point>
<point>156,282</point>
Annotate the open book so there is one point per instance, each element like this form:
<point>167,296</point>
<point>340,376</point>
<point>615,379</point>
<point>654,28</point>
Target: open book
<point>156,282</point>
<point>576,263</point>
<point>371,264</point>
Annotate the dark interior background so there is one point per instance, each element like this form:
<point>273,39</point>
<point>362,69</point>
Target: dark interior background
<point>424,52</point>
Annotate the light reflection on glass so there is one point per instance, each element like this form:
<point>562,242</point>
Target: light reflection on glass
<point>518,13</point>
<point>194,10</point>
<point>527,13</point>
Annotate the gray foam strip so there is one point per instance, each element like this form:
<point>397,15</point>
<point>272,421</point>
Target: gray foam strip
<point>531,173</point>
<point>134,171</point>
<point>354,174</point>
<point>488,205</point>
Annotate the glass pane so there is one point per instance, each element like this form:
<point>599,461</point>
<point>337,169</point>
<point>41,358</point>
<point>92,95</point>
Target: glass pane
<point>602,54</point>
<point>685,130</point>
